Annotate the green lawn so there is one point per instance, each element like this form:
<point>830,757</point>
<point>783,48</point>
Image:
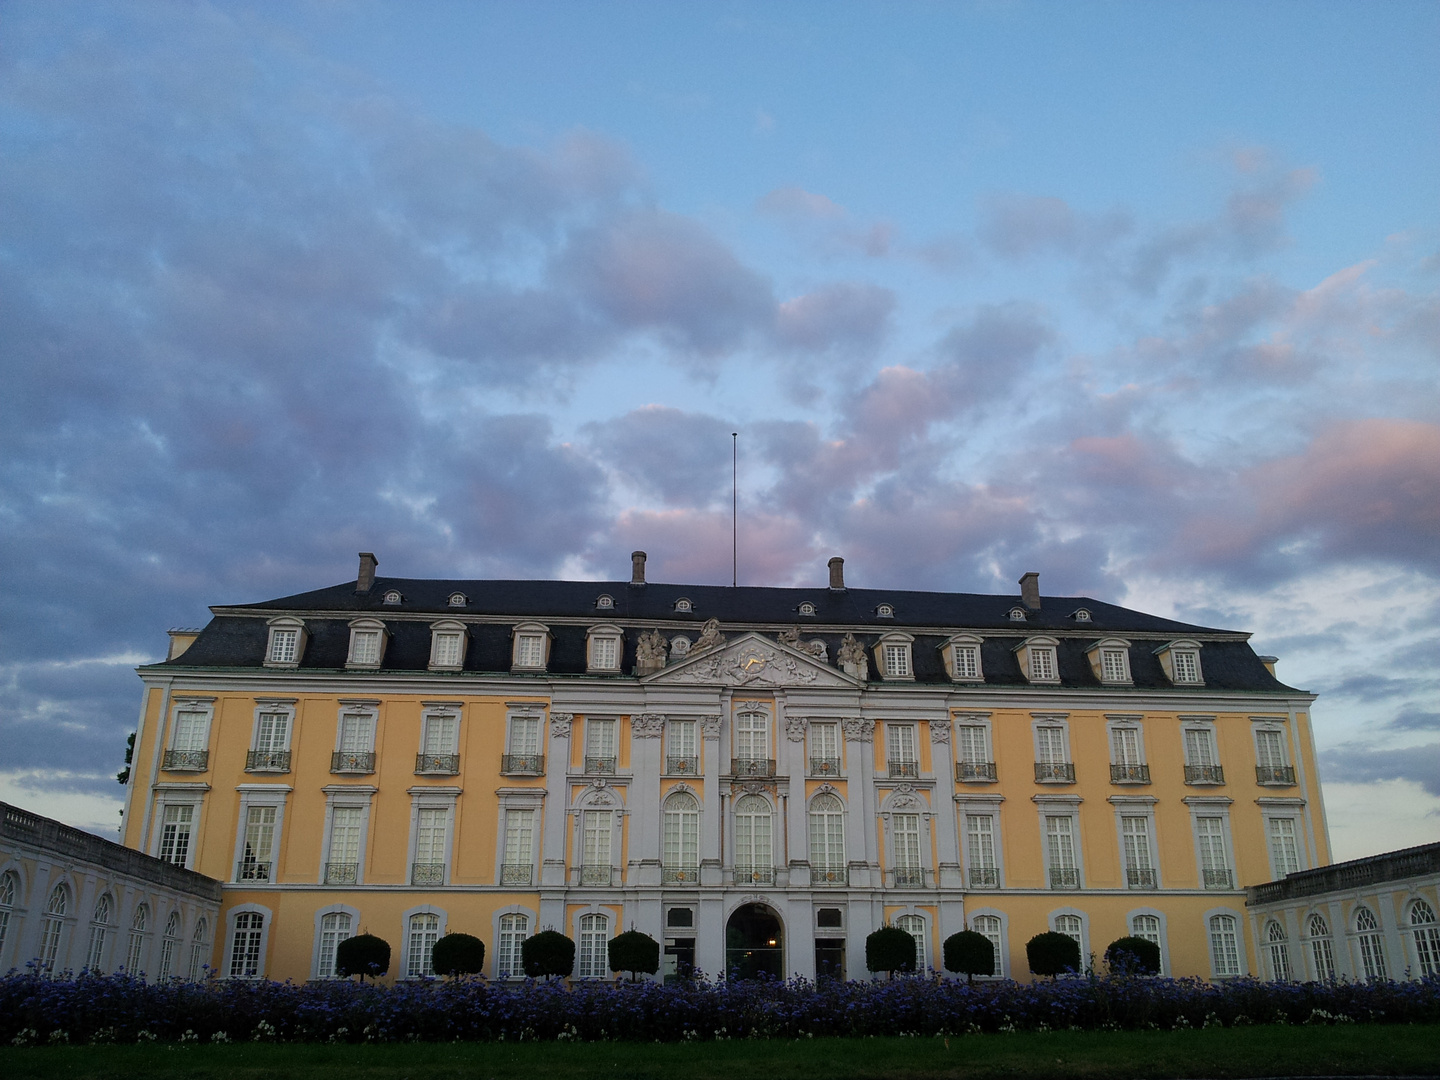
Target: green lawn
<point>1240,1052</point>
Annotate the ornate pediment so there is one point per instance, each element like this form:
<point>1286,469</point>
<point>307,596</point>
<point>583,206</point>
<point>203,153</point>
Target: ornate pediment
<point>753,661</point>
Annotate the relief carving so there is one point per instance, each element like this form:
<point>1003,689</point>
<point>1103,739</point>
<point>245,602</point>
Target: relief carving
<point>560,724</point>
<point>851,656</point>
<point>649,652</point>
<point>858,729</point>
<point>710,637</point>
<point>710,726</point>
<point>647,725</point>
<point>795,728</point>
<point>939,731</point>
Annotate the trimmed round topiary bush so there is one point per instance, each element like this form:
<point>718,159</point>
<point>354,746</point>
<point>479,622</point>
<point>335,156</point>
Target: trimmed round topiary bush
<point>890,949</point>
<point>634,952</point>
<point>363,955</point>
<point>547,953</point>
<point>1133,956</point>
<point>968,953</point>
<point>1052,953</point>
<point>458,954</point>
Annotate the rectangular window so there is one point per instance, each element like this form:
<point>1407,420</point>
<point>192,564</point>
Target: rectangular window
<point>1147,927</point>
<point>1269,749</point>
<point>95,954</point>
<point>283,646</point>
<point>1042,663</point>
<point>525,735</point>
<point>1112,665</point>
<point>1124,746</point>
<point>605,653</point>
<point>980,850</point>
<point>440,732</point>
<point>1214,863</point>
<point>897,660</point>
<point>256,859</point>
<point>1139,868</point>
<point>272,732</point>
<point>446,650</point>
<point>825,749</point>
<point>343,865</point>
<point>357,733</point>
<point>1284,846</point>
<point>681,842</point>
<point>1224,946</point>
<point>191,730</point>
<point>175,827</point>
<point>967,661</point>
<point>1050,743</point>
<point>1186,666</point>
<point>420,945</point>
<point>681,738</point>
<point>900,749</point>
<point>970,743</point>
<point>600,738</point>
<point>530,651</point>
<point>519,838</point>
<point>430,822</point>
<point>1060,846</point>
<point>1199,747</point>
<point>596,841</point>
<point>752,736</point>
<point>245,949</point>
<point>365,647</point>
<point>906,839</point>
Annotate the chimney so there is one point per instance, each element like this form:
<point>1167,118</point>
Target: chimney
<point>637,568</point>
<point>366,578</point>
<point>837,574</point>
<point>1030,590</point>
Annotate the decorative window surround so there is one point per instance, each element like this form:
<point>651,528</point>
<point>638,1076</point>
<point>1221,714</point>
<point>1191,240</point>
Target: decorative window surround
<point>1110,661</point>
<point>270,739</point>
<point>530,647</point>
<point>1202,755</point>
<point>188,748</point>
<point>286,643</point>
<point>592,938</point>
<point>448,642</point>
<point>333,924</point>
<point>1214,849</point>
<point>1284,835</point>
<point>430,851</point>
<point>368,639</point>
<point>893,658</point>
<point>258,837</point>
<point>1081,614</point>
<point>524,741</point>
<point>605,602</point>
<point>1039,660</point>
<point>177,810</point>
<point>984,862</point>
<point>1063,863</point>
<point>246,943</point>
<point>510,926</point>
<point>1139,847</point>
<point>962,658</point>
<point>1226,943</point>
<point>1073,923</point>
<point>906,826</point>
<point>459,599</point>
<point>604,649</point>
<point>683,605</point>
<point>1054,763</point>
<point>355,733</point>
<point>345,867</point>
<point>1017,614</point>
<point>422,926</point>
<point>393,598</point>
<point>971,737</point>
<point>439,753</point>
<point>1273,766</point>
<point>1126,736</point>
<point>994,925</point>
<point>508,870</point>
<point>1181,662</point>
<point>806,608</point>
<point>885,611</point>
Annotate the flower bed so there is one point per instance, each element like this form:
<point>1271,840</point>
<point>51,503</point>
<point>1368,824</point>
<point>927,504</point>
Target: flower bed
<point>118,1008</point>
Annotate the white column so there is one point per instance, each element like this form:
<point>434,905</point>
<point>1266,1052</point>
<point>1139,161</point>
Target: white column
<point>860,822</point>
<point>712,817</point>
<point>646,730</point>
<point>947,836</point>
<point>796,830</point>
<point>553,875</point>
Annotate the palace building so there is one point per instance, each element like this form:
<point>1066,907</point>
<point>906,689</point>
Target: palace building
<point>756,777</point>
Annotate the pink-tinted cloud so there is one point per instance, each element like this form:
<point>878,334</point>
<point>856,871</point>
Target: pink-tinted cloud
<point>846,316</point>
<point>695,545</point>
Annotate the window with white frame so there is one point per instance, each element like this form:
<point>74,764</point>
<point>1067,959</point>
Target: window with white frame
<point>824,748</point>
<point>1139,863</point>
<point>1278,948</point>
<point>393,597</point>
<point>199,950</point>
<point>682,756</point>
<point>522,747</point>
<point>1426,936</point>
<point>135,943</point>
<point>605,649</point>
<point>905,845</point>
<point>1271,763</point>
<point>752,743</point>
<point>177,820</point>
<point>529,649</point>
<point>1201,763</point>
<point>257,844</point>
<point>895,660</point>
<point>1322,952</point>
<point>827,840</point>
<point>335,927</point>
<point>342,862</point>
<point>9,889</point>
<point>983,871</point>
<point>900,750</point>
<point>1111,661</point>
<point>754,859</point>
<point>807,608</point>
<point>447,646</point>
<point>432,845</point>
<point>972,752</point>
<point>286,643</point>
<point>99,933</point>
<point>189,739</point>
<point>1126,759</point>
<point>1040,663</point>
<point>1181,662</point>
<point>964,658</point>
<point>592,959</point>
<point>680,849</point>
<point>989,927</point>
<point>367,644</point>
<point>1017,614</point>
<point>1073,927</point>
<point>1211,842</point>
<point>1148,927</point>
<point>458,599</point>
<point>1224,946</point>
<point>596,835</point>
<point>914,925</point>
<point>518,861</point>
<point>355,741</point>
<point>1284,845</point>
<point>421,932</point>
<point>605,601</point>
<point>885,611</point>
<point>513,929</point>
<point>600,746</point>
<point>1052,755</point>
<point>439,743</point>
<point>52,927</point>
<point>270,751</point>
<point>1369,943</point>
<point>1064,871</point>
<point>169,946</point>
<point>245,945</point>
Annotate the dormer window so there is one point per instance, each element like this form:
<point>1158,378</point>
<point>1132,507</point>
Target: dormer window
<point>447,646</point>
<point>962,658</point>
<point>892,656</point>
<point>531,648</point>
<point>286,644</point>
<point>1017,614</point>
<point>884,611</point>
<point>1181,661</point>
<point>604,649</point>
<point>1110,661</point>
<point>1081,615</point>
<point>604,601</point>
<point>807,608</point>
<point>393,597</point>
<point>1038,659</point>
<point>367,643</point>
<point>458,599</point>
<point>683,604</point>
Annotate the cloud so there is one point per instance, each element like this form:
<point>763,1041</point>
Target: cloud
<point>1021,226</point>
<point>843,315</point>
<point>795,202</point>
<point>681,457</point>
<point>1357,763</point>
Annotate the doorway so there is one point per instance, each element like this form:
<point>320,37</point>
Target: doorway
<point>754,943</point>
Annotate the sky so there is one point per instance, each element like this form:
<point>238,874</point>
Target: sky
<point>1143,297</point>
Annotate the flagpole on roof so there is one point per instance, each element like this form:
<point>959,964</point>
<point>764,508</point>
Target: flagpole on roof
<point>734,508</point>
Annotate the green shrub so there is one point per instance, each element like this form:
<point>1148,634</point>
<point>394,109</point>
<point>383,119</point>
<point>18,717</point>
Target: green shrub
<point>547,953</point>
<point>1133,956</point>
<point>458,954</point>
<point>364,954</point>
<point>970,954</point>
<point>634,952</point>
<point>890,949</point>
<point>1052,953</point>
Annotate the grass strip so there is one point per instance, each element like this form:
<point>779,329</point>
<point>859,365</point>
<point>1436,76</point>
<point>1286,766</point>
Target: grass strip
<point>1373,1050</point>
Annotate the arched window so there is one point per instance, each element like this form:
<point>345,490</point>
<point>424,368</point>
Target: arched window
<point>197,950</point>
<point>514,929</point>
<point>1370,944</point>
<point>1279,954</point>
<point>135,947</point>
<point>1224,946</point>
<point>1072,926</point>
<point>594,960</point>
<point>99,931</point>
<point>245,950</point>
<point>420,941</point>
<point>1148,927</point>
<point>989,926</point>
<point>914,925</point>
<point>1321,952</point>
<point>1427,937</point>
<point>682,838</point>
<point>9,887</point>
<point>169,945</point>
<point>754,861</point>
<point>827,840</point>
<point>334,928</point>
<point>51,928</point>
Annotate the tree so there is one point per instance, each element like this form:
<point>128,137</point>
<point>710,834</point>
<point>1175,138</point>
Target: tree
<point>968,953</point>
<point>124,774</point>
<point>890,949</point>
<point>634,952</point>
<point>1133,956</point>
<point>547,953</point>
<point>1052,953</point>
<point>364,954</point>
<point>458,954</point>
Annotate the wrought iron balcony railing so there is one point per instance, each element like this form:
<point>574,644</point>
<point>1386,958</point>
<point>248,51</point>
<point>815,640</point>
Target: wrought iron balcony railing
<point>1204,774</point>
<point>752,766</point>
<point>829,875</point>
<point>437,764</point>
<point>267,761</point>
<point>516,873</point>
<point>908,876</point>
<point>427,873</point>
<point>975,771</point>
<point>341,873</point>
<point>352,761</point>
<point>253,870</point>
<point>1064,877</point>
<point>909,769</point>
<point>682,764</point>
<point>680,875</point>
<point>1129,774</point>
<point>984,877</point>
<point>1218,879</point>
<point>595,875</point>
<point>186,760</point>
<point>522,764</point>
<point>824,766</point>
<point>1055,772</point>
<point>1281,775</point>
<point>1140,877</point>
<point>754,875</point>
<point>600,766</point>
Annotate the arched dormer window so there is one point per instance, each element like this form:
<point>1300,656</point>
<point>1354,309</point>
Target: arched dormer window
<point>286,644</point>
<point>1038,660</point>
<point>531,647</point>
<point>1081,614</point>
<point>605,602</point>
<point>684,606</point>
<point>807,608</point>
<point>368,638</point>
<point>458,599</point>
<point>604,647</point>
<point>1181,661</point>
<point>1110,661</point>
<point>962,658</point>
<point>393,597</point>
<point>1017,614</point>
<point>885,611</point>
<point>447,645</point>
<point>893,656</point>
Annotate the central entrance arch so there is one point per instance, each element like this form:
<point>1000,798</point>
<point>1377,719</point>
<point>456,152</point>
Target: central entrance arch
<point>755,942</point>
